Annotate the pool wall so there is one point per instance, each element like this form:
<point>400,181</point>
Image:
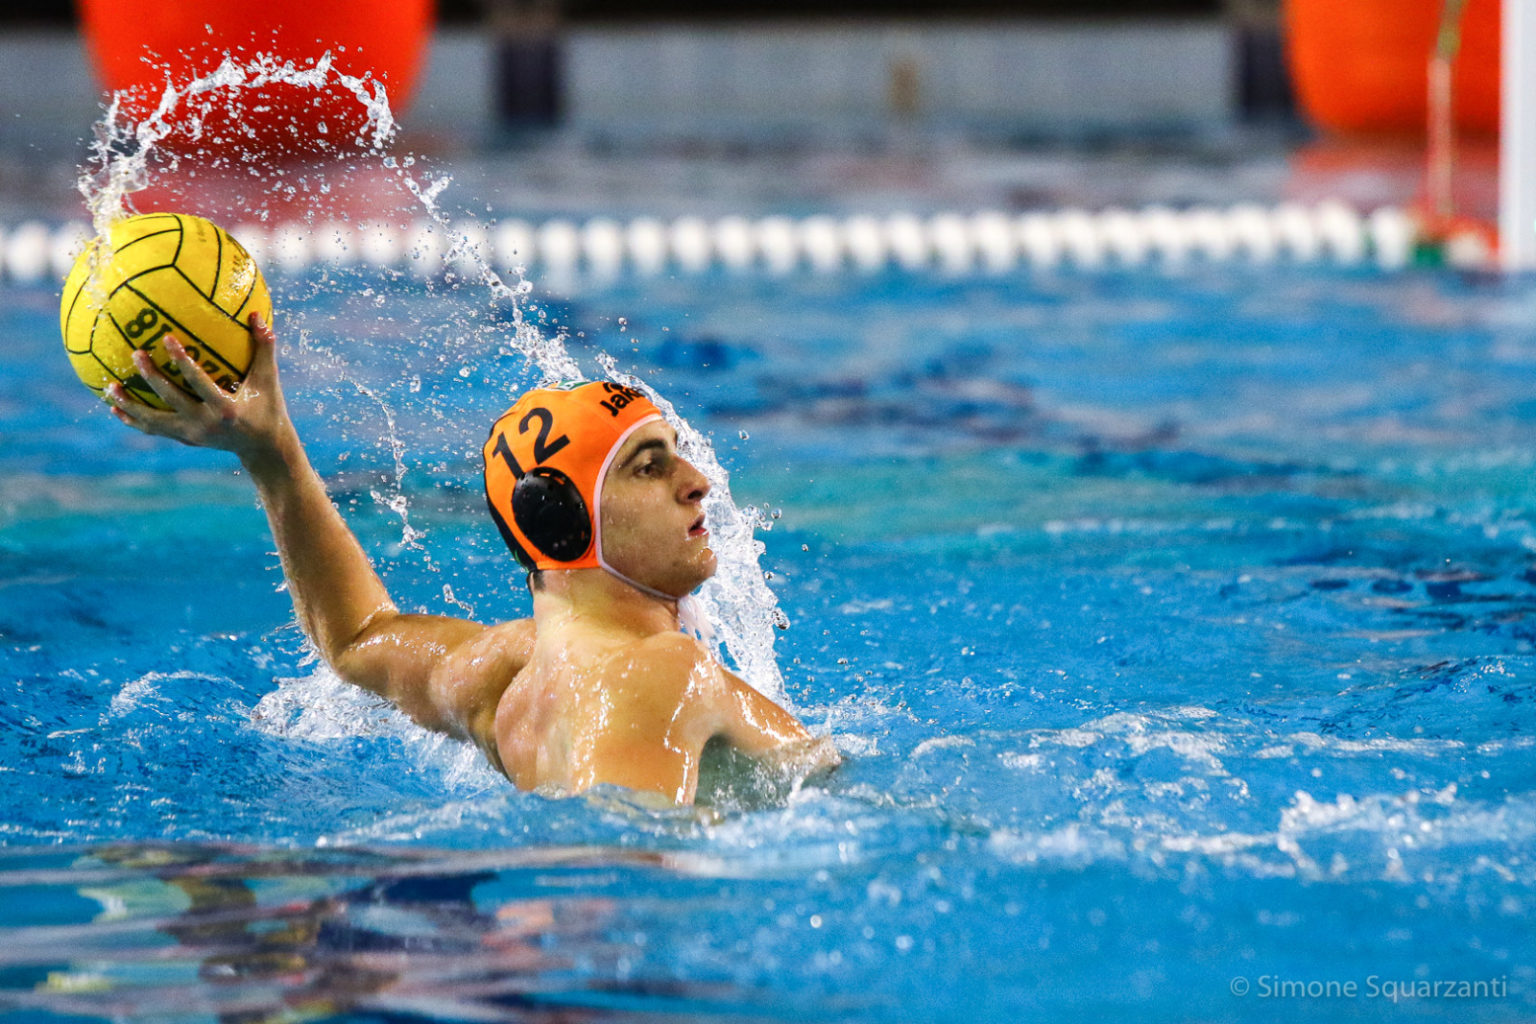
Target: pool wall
<point>871,75</point>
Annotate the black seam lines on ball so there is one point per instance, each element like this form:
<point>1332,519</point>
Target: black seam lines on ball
<point>179,238</point>
<point>70,315</point>
<point>128,283</point>
<point>91,351</point>
<point>180,328</point>
<point>141,238</point>
<point>233,318</point>
<point>249,291</point>
<point>218,264</point>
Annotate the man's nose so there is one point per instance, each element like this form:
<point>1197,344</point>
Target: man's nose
<point>693,485</point>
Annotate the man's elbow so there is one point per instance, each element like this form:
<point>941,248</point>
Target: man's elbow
<point>826,757</point>
<point>369,658</point>
<point>347,650</point>
<point>807,757</point>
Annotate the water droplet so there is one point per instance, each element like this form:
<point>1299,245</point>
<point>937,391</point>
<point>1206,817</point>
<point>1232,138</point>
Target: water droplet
<point>744,435</point>
<point>737,598</point>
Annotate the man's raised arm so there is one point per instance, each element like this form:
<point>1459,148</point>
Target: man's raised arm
<point>338,598</point>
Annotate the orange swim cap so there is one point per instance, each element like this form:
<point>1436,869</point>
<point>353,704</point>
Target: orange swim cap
<point>544,466</point>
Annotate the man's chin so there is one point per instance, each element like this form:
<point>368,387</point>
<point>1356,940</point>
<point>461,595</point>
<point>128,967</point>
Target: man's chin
<point>704,571</point>
<point>681,585</point>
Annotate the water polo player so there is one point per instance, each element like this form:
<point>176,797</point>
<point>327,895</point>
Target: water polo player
<point>589,491</point>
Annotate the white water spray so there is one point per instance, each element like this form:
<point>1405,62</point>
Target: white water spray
<point>736,599</point>
<point>739,604</point>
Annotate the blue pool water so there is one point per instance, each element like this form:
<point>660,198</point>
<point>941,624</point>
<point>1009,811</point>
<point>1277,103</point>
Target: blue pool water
<point>1176,629</point>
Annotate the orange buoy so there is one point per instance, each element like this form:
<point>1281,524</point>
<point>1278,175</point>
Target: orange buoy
<point>384,41</point>
<point>1360,66</point>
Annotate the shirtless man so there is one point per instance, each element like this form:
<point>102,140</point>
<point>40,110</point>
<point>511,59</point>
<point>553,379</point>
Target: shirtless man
<point>600,686</point>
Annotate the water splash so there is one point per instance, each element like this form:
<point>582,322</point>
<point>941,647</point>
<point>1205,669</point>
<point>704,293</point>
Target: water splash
<point>126,156</point>
<point>123,147</point>
<point>736,599</point>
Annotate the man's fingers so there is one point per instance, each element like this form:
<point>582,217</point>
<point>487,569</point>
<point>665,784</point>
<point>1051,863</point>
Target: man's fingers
<point>261,328</point>
<point>199,411</point>
<point>160,384</point>
<point>134,412</point>
<point>201,384</point>
<point>124,416</point>
<point>264,357</point>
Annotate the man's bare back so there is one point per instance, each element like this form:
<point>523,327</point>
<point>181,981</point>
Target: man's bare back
<point>600,686</point>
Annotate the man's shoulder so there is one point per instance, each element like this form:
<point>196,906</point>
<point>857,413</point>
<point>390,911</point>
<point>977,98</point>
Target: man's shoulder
<point>672,648</point>
<point>512,635</point>
<point>495,653</point>
<point>664,669</point>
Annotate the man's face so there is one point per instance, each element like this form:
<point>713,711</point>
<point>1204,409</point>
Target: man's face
<point>652,519</point>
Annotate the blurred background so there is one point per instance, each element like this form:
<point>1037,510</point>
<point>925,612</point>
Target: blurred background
<point>801,68</point>
<point>867,104</point>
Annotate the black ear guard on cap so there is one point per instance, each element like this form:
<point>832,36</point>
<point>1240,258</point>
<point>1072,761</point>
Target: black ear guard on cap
<point>519,552</point>
<point>550,512</point>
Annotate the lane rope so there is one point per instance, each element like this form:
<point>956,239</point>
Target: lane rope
<point>984,242</point>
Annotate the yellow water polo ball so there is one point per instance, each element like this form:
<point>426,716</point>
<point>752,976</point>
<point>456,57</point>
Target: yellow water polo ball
<point>157,274</point>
